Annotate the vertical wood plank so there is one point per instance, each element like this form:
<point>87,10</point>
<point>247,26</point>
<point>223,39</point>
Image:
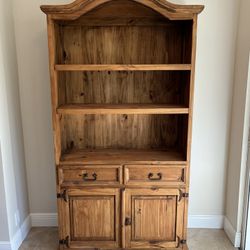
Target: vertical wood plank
<point>190,121</point>
<point>54,88</point>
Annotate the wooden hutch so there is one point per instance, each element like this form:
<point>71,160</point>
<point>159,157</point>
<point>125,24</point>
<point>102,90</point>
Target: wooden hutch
<point>122,83</point>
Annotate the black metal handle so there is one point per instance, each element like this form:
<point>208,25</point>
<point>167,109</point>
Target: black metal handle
<point>85,177</point>
<point>151,175</point>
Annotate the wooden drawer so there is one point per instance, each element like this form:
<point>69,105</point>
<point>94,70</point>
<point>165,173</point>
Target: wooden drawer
<point>90,175</point>
<point>154,174</point>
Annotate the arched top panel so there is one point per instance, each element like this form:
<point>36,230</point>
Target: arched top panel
<point>78,8</point>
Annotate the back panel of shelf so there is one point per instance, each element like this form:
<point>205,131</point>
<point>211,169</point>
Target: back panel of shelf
<point>143,132</point>
<point>150,87</point>
<point>123,32</point>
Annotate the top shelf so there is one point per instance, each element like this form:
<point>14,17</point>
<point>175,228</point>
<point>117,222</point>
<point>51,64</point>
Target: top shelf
<point>123,67</point>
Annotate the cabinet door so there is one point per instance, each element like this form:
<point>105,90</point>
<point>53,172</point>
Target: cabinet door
<point>91,218</point>
<point>153,218</point>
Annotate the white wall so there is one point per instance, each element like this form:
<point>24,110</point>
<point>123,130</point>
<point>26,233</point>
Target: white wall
<point>12,172</point>
<point>240,123</point>
<point>4,227</point>
<point>213,93</point>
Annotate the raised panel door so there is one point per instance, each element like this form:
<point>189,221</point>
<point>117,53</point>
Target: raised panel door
<point>92,218</point>
<point>153,218</point>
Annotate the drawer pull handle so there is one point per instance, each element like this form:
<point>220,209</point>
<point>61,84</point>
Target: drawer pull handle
<point>85,177</point>
<point>151,175</point>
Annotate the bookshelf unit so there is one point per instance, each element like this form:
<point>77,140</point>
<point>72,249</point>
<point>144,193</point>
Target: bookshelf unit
<point>122,81</point>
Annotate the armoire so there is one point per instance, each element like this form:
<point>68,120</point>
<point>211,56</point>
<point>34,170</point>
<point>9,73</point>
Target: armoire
<point>122,83</point>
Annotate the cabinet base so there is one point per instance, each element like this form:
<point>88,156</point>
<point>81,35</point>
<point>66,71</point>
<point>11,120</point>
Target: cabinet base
<point>185,247</point>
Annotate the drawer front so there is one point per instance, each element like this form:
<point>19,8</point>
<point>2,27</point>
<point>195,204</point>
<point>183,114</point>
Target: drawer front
<point>154,174</point>
<point>90,175</point>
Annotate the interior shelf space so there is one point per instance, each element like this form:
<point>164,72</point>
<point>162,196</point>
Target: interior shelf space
<point>167,88</point>
<point>138,35</point>
<point>124,132</point>
<point>114,156</point>
<point>121,109</point>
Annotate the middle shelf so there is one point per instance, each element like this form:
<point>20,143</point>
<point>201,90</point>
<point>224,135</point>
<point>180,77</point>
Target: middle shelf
<point>122,109</point>
<point>123,67</point>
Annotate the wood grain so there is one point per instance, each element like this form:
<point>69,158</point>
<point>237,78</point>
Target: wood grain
<point>166,222</point>
<point>122,84</point>
<point>105,174</point>
<point>138,175</point>
<point>151,87</point>
<point>94,217</point>
<point>120,48</point>
<point>122,67</point>
<point>78,8</point>
<point>88,109</point>
<point>120,131</point>
<point>112,156</point>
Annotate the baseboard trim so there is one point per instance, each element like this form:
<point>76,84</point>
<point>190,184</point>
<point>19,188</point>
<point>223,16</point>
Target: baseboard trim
<point>19,236</point>
<point>5,245</point>
<point>194,221</point>
<point>206,221</point>
<point>233,235</point>
<point>44,219</point>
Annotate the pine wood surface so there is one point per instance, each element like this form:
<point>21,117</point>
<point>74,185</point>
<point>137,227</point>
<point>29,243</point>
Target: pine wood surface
<point>111,132</point>
<point>122,83</point>
<point>123,67</point>
<point>137,234</point>
<point>79,7</point>
<point>121,109</point>
<point>151,87</point>
<point>148,175</point>
<point>110,156</point>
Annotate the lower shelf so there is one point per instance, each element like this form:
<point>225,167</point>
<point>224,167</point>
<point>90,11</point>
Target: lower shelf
<point>111,156</point>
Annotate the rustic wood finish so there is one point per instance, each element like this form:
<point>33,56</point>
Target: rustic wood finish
<point>122,83</point>
<point>148,175</point>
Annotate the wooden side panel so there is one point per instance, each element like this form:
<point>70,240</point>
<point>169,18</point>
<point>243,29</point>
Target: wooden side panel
<point>52,30</point>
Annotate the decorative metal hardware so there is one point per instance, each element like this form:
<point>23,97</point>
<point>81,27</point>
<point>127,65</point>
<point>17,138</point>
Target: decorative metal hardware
<point>151,175</point>
<point>63,195</point>
<point>183,242</point>
<point>183,195</point>
<point>86,178</point>
<point>65,242</point>
<point>128,221</point>
<point>180,242</point>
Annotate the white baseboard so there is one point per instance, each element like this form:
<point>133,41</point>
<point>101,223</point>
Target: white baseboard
<point>194,221</point>
<point>19,236</point>
<point>233,235</point>
<point>44,219</point>
<point>206,221</point>
<point>5,245</point>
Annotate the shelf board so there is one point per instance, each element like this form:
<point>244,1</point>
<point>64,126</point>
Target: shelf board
<point>122,67</point>
<point>113,156</point>
<point>78,109</point>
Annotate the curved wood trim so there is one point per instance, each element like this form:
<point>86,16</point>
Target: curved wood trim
<point>78,8</point>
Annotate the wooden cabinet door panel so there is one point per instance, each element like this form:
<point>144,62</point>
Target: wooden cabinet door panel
<point>153,218</point>
<point>92,217</point>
